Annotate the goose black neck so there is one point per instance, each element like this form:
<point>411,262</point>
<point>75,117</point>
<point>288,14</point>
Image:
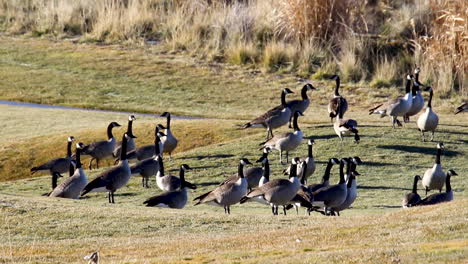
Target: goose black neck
<point>439,152</point>
<point>408,86</point>
<point>283,98</point>
<point>342,178</point>
<point>415,184</point>
<point>266,170</point>
<point>161,165</point>
<point>350,180</point>
<point>129,127</point>
<point>337,87</point>
<point>304,171</point>
<point>69,151</point>
<point>123,151</point>
<point>240,170</point>
<point>326,176</point>
<point>295,125</point>
<point>71,169</point>
<point>182,177</point>
<point>78,158</point>
<point>293,171</point>
<point>448,187</point>
<point>168,121</point>
<point>156,145</point>
<point>348,168</point>
<point>310,151</point>
<point>416,77</point>
<point>109,131</point>
<point>414,90</point>
<point>304,93</point>
<point>429,103</point>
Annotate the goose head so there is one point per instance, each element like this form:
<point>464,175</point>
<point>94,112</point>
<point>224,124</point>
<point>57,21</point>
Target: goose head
<point>335,77</point>
<point>311,142</point>
<point>114,124</point>
<point>418,177</point>
<point>296,160</point>
<point>71,139</point>
<point>409,77</point>
<point>165,114</point>
<point>244,161</point>
<point>80,145</point>
<point>129,136</point>
<point>417,70</point>
<point>356,160</point>
<point>428,89</point>
<point>185,167</point>
<point>334,161</point>
<point>355,173</point>
<point>309,86</point>
<point>287,91</point>
<point>131,118</point>
<point>161,134</point>
<point>440,145</point>
<point>451,173</point>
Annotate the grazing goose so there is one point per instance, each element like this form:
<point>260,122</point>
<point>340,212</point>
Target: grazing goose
<point>429,120</point>
<point>170,142</point>
<point>418,99</point>
<point>253,175</point>
<point>412,198</point>
<point>114,178</point>
<point>462,108</point>
<point>396,107</point>
<point>149,167</point>
<point>332,195</point>
<point>326,176</point>
<point>227,194</point>
<point>58,165</point>
<point>72,187</point>
<point>173,199</point>
<point>434,178</point>
<point>337,101</point>
<point>344,127</point>
<point>310,169</point>
<point>351,185</point>
<point>101,149</point>
<point>436,198</point>
<point>286,141</point>
<point>300,105</point>
<point>130,143</point>
<point>147,151</point>
<point>274,118</point>
<point>170,183</point>
<point>278,192</point>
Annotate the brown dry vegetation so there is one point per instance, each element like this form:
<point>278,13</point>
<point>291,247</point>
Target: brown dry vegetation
<point>297,36</point>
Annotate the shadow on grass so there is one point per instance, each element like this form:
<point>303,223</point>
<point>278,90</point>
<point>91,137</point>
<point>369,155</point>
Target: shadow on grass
<point>386,206</point>
<point>201,157</point>
<point>420,150</point>
<point>382,188</point>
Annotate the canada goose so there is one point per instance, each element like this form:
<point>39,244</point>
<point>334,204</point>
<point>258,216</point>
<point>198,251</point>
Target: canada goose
<point>227,194</point>
<point>150,166</point>
<point>170,142</point>
<point>273,118</point>
<point>114,178</point>
<point>429,120</point>
<point>286,141</point>
<point>418,99</point>
<point>263,180</point>
<point>278,192</point>
<point>462,108</point>
<point>101,149</point>
<point>396,107</point>
<point>354,161</point>
<point>351,185</point>
<point>130,143</point>
<point>326,176</point>
<point>169,183</point>
<point>309,161</point>
<point>58,165</point>
<point>147,151</point>
<point>300,105</point>
<point>344,127</point>
<point>303,197</point>
<point>333,195</point>
<point>173,199</point>
<point>441,197</point>
<point>93,258</point>
<point>336,101</point>
<point>412,198</point>
<point>434,178</point>
<point>72,187</point>
<point>253,175</point>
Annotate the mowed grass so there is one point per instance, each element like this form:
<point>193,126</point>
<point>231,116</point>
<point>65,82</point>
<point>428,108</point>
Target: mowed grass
<point>39,229</point>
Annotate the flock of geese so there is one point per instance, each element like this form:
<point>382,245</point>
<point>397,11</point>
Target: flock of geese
<point>253,184</point>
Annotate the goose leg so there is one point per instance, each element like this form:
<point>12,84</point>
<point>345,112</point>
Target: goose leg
<point>143,182</point>
<point>427,190</point>
<point>284,210</point>
<point>90,162</point>
<point>290,118</point>
<point>287,156</point>
<point>113,199</point>
<point>281,156</point>
<point>297,209</point>
<point>432,137</point>
<point>109,196</point>
<point>273,209</point>
<point>97,163</point>
<point>423,137</point>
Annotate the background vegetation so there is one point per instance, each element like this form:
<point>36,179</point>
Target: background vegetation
<point>376,40</point>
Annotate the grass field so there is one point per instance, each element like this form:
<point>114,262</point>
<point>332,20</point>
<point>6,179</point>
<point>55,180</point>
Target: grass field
<point>36,229</point>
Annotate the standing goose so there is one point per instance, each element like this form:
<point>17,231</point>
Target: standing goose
<point>429,120</point>
<point>344,127</point>
<point>300,105</point>
<point>149,167</point>
<point>326,176</point>
<point>147,151</point>
<point>351,185</point>
<point>337,101</point>
<point>462,108</point>
<point>412,198</point>
<point>101,149</point>
<point>130,143</point>
<point>173,199</point>
<point>58,165</point>
<point>436,198</point>
<point>170,183</point>
<point>278,192</point>
<point>114,178</point>
<point>263,180</point>
<point>227,194</point>
<point>286,141</point>
<point>396,107</point>
<point>303,197</point>
<point>311,166</point>
<point>170,142</point>
<point>72,187</point>
<point>274,118</point>
<point>332,195</point>
<point>434,178</point>
<point>418,99</point>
